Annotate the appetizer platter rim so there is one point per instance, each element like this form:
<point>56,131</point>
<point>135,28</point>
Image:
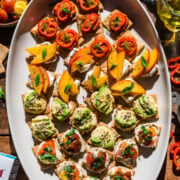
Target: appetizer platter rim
<point>10,118</point>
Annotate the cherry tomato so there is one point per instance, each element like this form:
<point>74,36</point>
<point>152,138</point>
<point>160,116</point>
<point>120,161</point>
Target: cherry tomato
<point>3,16</point>
<point>8,5</point>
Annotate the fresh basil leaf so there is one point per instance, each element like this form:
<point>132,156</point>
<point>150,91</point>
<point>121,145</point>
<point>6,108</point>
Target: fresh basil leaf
<point>128,88</point>
<point>94,82</point>
<point>37,79</point>
<point>79,64</point>
<point>113,66</point>
<point>68,86</point>
<point>97,46</point>
<point>144,62</point>
<point>44,53</point>
<point>66,10</point>
<point>1,93</point>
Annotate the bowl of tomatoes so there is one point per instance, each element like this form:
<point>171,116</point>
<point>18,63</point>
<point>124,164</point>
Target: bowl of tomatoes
<point>10,11</point>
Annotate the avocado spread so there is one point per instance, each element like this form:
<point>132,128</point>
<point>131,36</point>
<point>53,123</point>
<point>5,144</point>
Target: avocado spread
<point>103,100</point>
<point>125,118</point>
<point>82,119</point>
<point>145,106</point>
<point>42,128</point>
<point>104,137</point>
<point>60,110</point>
<point>34,104</point>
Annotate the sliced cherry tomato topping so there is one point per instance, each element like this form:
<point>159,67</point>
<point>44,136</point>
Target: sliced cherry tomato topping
<point>100,48</point>
<point>89,23</point>
<point>120,175</point>
<point>174,146</point>
<point>67,39</point>
<point>8,5</point>
<point>48,146</point>
<point>174,62</point>
<point>64,10</point>
<point>175,75</point>
<point>127,44</point>
<point>88,5</point>
<point>118,22</point>
<point>176,157</point>
<point>47,27</point>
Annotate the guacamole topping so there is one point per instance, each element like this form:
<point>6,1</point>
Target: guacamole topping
<point>60,110</point>
<point>34,104</point>
<point>125,118</point>
<point>82,119</point>
<point>104,100</point>
<point>145,106</point>
<point>103,137</point>
<point>42,128</point>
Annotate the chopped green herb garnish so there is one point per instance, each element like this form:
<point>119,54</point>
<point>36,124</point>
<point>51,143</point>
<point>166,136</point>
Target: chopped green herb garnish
<point>66,38</point>
<point>113,66</point>
<point>44,53</point>
<point>94,82</point>
<point>1,93</point>
<point>97,46</point>
<point>69,170</point>
<point>127,151</point>
<point>88,2</point>
<point>48,156</point>
<point>66,10</point>
<point>128,88</point>
<point>71,132</point>
<point>48,149</point>
<point>68,86</point>
<point>144,62</point>
<point>37,79</point>
<point>79,64</point>
<point>116,21</point>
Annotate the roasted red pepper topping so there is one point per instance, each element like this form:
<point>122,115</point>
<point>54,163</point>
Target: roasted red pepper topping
<point>96,162</point>
<point>174,62</point>
<point>88,5</point>
<point>71,142</point>
<point>127,44</point>
<point>119,174</point>
<point>175,75</point>
<point>65,10</point>
<point>174,146</point>
<point>48,146</point>
<point>176,157</point>
<point>47,27</point>
<point>100,48</point>
<point>67,39</point>
<point>89,23</point>
<point>118,22</point>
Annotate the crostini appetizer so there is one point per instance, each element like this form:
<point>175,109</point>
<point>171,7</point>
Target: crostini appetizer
<point>61,110</point>
<point>42,128</point>
<point>45,30</point>
<point>147,135</point>
<point>71,142</point>
<point>102,100</point>
<point>48,153</point>
<point>42,53</point>
<point>103,136</point>
<point>89,6</point>
<point>83,119</point>
<point>117,22</point>
<point>97,160</point>
<point>119,173</point>
<point>146,107</point>
<point>65,12</point>
<point>126,152</point>
<point>65,86</point>
<point>33,103</point>
<point>125,119</point>
<point>94,79</point>
<point>69,170</point>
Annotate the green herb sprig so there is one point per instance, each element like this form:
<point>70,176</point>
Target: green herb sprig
<point>68,86</point>
<point>94,82</point>
<point>128,89</point>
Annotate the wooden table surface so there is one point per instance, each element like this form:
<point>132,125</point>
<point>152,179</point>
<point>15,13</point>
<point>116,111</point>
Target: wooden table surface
<point>168,171</point>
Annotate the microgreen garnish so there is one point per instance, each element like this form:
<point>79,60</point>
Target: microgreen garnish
<point>66,38</point>
<point>66,10</point>
<point>79,64</point>
<point>71,133</point>
<point>127,151</point>
<point>94,82</point>
<point>48,156</point>
<point>48,149</point>
<point>97,46</point>
<point>68,86</point>
<point>37,79</point>
<point>113,65</point>
<point>44,53</point>
<point>88,2</point>
<point>1,93</point>
<point>128,88</point>
<point>144,62</point>
<point>116,21</point>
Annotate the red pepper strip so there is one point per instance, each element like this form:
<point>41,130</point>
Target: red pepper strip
<point>174,62</point>
<point>88,5</point>
<point>48,144</point>
<point>47,27</point>
<point>174,146</point>
<point>90,23</point>
<point>127,44</point>
<point>175,72</point>
<point>118,22</point>
<point>176,156</point>
<point>67,39</point>
<point>100,48</point>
